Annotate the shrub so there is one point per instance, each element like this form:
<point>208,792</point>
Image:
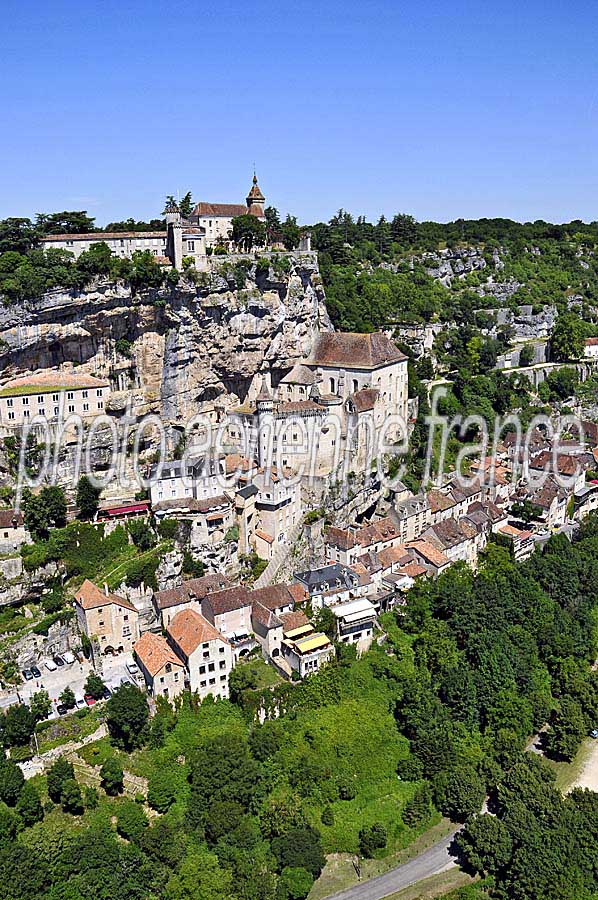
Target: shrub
<point>131,820</point>
<point>372,838</point>
<point>112,776</point>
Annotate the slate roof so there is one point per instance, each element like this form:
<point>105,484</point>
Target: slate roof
<point>193,589</point>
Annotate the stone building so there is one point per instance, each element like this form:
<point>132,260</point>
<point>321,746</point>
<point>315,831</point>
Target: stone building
<point>163,671</point>
<point>207,655</point>
<point>50,395</point>
<point>111,620</point>
<point>328,410</point>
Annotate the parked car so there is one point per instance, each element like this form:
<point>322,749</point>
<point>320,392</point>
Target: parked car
<point>51,665</point>
<point>133,668</point>
<point>79,701</point>
<point>106,694</point>
<point>594,733</point>
<point>90,700</point>
<point>68,657</point>
<point>27,674</point>
<point>61,709</point>
<point>36,672</point>
<point>58,660</point>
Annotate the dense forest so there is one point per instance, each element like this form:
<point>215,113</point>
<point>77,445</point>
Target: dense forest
<point>359,758</point>
<point>376,275</point>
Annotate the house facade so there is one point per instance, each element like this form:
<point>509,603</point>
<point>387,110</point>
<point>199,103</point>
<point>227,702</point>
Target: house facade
<point>112,620</point>
<point>206,653</point>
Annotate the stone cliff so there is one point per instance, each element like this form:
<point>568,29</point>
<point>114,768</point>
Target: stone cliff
<point>174,349</point>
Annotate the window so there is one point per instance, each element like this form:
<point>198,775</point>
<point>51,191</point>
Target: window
<point>202,684</point>
<point>100,404</point>
<point>99,392</point>
<point>211,667</point>
<point>169,667</point>
<point>70,395</point>
<point>71,408</point>
<point>69,243</point>
<point>40,399</point>
<point>332,385</point>
<point>101,623</point>
<point>221,650</point>
<point>223,664</point>
<point>11,415</point>
<point>86,407</point>
<point>85,394</point>
<point>55,398</point>
<point>56,410</point>
<point>10,402</point>
<point>202,670</point>
<point>42,412</point>
<point>223,678</point>
<point>190,245</point>
<point>355,385</point>
<point>161,679</point>
<point>25,401</point>
<point>212,681</point>
<point>26,414</point>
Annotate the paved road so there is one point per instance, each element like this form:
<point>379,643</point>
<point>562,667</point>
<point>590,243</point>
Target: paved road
<point>432,861</point>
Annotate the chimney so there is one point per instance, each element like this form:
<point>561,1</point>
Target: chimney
<point>106,591</point>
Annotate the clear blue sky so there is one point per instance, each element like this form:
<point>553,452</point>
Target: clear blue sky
<point>434,108</point>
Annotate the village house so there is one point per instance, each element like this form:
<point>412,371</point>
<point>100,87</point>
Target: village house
<point>50,395</point>
<point>180,479</point>
<point>412,515</point>
<point>456,538</point>
<point>188,595</point>
<point>304,650</point>
<point>428,555</point>
<point>355,622</point>
<point>111,620</point>
<point>347,545</point>
<point>520,540</point>
<point>229,611</point>
<point>121,243</point>
<point>278,509</point>
<point>12,530</point>
<point>207,655</point>
<point>329,584</point>
<point>590,348</point>
<point>551,501</point>
<point>163,671</point>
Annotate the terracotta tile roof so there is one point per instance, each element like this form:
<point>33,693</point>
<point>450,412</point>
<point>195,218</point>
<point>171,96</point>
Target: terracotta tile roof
<point>391,555</point>
<point>343,538</point>
<point>98,236</point>
<point>10,518</point>
<point>255,210</point>
<point>380,530</point>
<point>565,464</point>
<point>193,589</point>
<point>90,596</point>
<point>354,351</point>
<point>297,592</point>
<point>264,536</point>
<point>188,630</point>
<point>364,400</point>
<point>591,342</point>
<point>451,532</point>
<point>229,599</point>
<point>255,192</point>
<point>264,616</point>
<point>439,501</point>
<point>413,569</point>
<point>153,651</point>
<point>273,597</point>
<point>226,210</point>
<point>292,620</point>
<point>429,553</point>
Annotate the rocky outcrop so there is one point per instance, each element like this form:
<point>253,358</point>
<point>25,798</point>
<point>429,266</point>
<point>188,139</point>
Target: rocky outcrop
<point>173,350</point>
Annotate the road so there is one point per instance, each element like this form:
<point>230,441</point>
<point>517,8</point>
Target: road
<point>432,861</point>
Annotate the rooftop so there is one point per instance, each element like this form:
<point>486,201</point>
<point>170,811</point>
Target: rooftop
<point>189,629</point>
<point>154,652</point>
<point>90,596</point>
<point>46,382</point>
<point>354,351</point>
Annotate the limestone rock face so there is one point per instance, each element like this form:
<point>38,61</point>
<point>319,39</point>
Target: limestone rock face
<point>170,351</point>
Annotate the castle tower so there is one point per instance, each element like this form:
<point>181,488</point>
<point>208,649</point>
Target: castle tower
<point>174,233</point>
<point>264,405</point>
<point>255,200</point>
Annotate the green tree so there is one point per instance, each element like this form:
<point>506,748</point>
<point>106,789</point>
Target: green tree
<point>526,355</point>
<point>95,686</point>
<point>19,725</point>
<point>67,698</point>
<point>70,797</point>
<point>300,847</point>
<point>295,882</point>
<point>567,729</point>
<point>41,706</point>
<point>126,716</point>
<point>291,233</point>
<point>161,791</point>
<point>131,820</point>
<point>459,793</point>
<point>200,877</point>
<point>58,773</point>
<point>223,816</point>
<point>66,222</point>
<point>419,808</point>
<point>29,805</point>
<point>186,205</point>
<point>372,838</point>
<point>88,498</point>
<point>112,776</point>
<point>11,781</point>
<point>486,844</point>
<point>566,339</point>
<point>248,232</point>
<point>44,511</point>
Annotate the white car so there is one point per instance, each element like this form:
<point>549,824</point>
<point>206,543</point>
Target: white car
<point>68,657</point>
<point>51,665</point>
<point>133,668</point>
<point>79,701</point>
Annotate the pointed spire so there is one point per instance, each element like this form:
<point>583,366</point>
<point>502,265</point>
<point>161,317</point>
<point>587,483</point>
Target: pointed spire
<point>264,393</point>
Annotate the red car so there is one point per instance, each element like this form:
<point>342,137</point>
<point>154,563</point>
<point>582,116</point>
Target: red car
<point>89,699</point>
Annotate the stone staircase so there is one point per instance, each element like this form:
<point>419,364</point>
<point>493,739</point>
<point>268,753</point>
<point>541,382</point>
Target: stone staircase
<point>279,556</point>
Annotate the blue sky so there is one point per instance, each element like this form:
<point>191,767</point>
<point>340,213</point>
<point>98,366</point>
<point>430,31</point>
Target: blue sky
<point>438,109</point>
